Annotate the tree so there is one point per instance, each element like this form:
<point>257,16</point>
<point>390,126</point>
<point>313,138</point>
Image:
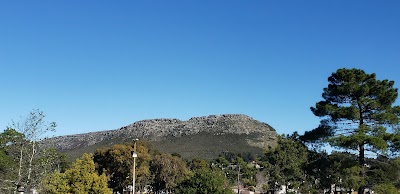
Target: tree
<point>20,143</point>
<point>343,171</point>
<point>232,164</point>
<point>338,168</point>
<point>357,114</point>
<point>285,163</point>
<point>205,181</point>
<point>9,144</point>
<point>117,163</point>
<point>33,127</point>
<point>6,168</point>
<point>384,171</point>
<point>197,163</point>
<point>51,160</point>
<point>81,178</point>
<point>386,188</point>
<point>168,172</point>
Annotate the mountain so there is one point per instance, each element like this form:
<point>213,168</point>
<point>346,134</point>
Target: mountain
<point>205,137</point>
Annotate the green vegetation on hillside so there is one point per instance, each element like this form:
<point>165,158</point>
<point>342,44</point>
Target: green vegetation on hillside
<point>206,136</point>
<point>208,145</point>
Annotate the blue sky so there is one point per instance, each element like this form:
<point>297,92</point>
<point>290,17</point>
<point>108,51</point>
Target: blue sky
<point>99,65</point>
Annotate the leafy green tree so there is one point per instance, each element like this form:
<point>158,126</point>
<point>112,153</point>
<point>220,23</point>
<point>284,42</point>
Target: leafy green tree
<point>230,164</point>
<point>21,152</point>
<point>205,181</point>
<point>383,170</point>
<point>221,163</point>
<point>198,163</point>
<point>51,160</point>
<point>10,137</point>
<point>81,178</point>
<point>56,183</point>
<point>386,188</point>
<point>168,172</point>
<point>247,173</point>
<point>145,156</point>
<point>357,114</point>
<point>117,163</point>
<point>9,142</point>
<point>285,163</point>
<point>343,170</point>
<point>6,172</point>
<point>34,128</point>
<point>338,168</point>
<point>317,173</point>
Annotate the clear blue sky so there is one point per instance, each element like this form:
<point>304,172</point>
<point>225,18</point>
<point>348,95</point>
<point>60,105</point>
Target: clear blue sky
<point>99,65</point>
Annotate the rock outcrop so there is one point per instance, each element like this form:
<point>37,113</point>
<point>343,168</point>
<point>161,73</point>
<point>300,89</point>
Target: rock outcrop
<point>159,129</point>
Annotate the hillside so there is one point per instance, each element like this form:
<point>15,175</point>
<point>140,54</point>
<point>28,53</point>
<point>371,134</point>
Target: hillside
<point>206,136</point>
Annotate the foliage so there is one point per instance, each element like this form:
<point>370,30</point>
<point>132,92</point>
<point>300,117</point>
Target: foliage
<point>384,171</point>
<point>357,114</point>
<point>81,178</point>
<point>168,172</point>
<point>23,162</point>
<point>8,157</point>
<point>10,137</point>
<point>338,168</point>
<point>144,176</point>
<point>221,162</point>
<point>204,181</point>
<point>247,173</point>
<point>33,127</point>
<point>50,160</point>
<point>209,146</point>
<point>117,162</point>
<point>197,163</point>
<point>230,163</point>
<point>386,188</point>
<point>7,167</point>
<point>286,162</point>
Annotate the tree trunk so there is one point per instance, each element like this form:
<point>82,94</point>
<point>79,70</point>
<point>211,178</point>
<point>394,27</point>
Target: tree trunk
<point>361,147</point>
<point>30,161</point>
<point>20,165</point>
<point>362,166</point>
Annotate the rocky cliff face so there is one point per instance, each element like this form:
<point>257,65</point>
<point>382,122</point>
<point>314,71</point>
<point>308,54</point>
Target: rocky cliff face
<point>159,129</point>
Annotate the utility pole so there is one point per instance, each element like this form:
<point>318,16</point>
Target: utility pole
<point>134,155</point>
<point>238,178</point>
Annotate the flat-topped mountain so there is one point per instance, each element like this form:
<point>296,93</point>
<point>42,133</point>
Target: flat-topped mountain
<point>205,136</point>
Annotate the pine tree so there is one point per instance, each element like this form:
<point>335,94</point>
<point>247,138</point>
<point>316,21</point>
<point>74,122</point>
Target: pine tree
<point>357,114</point>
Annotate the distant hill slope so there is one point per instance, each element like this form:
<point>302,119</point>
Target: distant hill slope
<point>205,137</point>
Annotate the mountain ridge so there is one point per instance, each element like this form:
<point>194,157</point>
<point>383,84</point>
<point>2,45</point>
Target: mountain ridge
<point>158,130</point>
